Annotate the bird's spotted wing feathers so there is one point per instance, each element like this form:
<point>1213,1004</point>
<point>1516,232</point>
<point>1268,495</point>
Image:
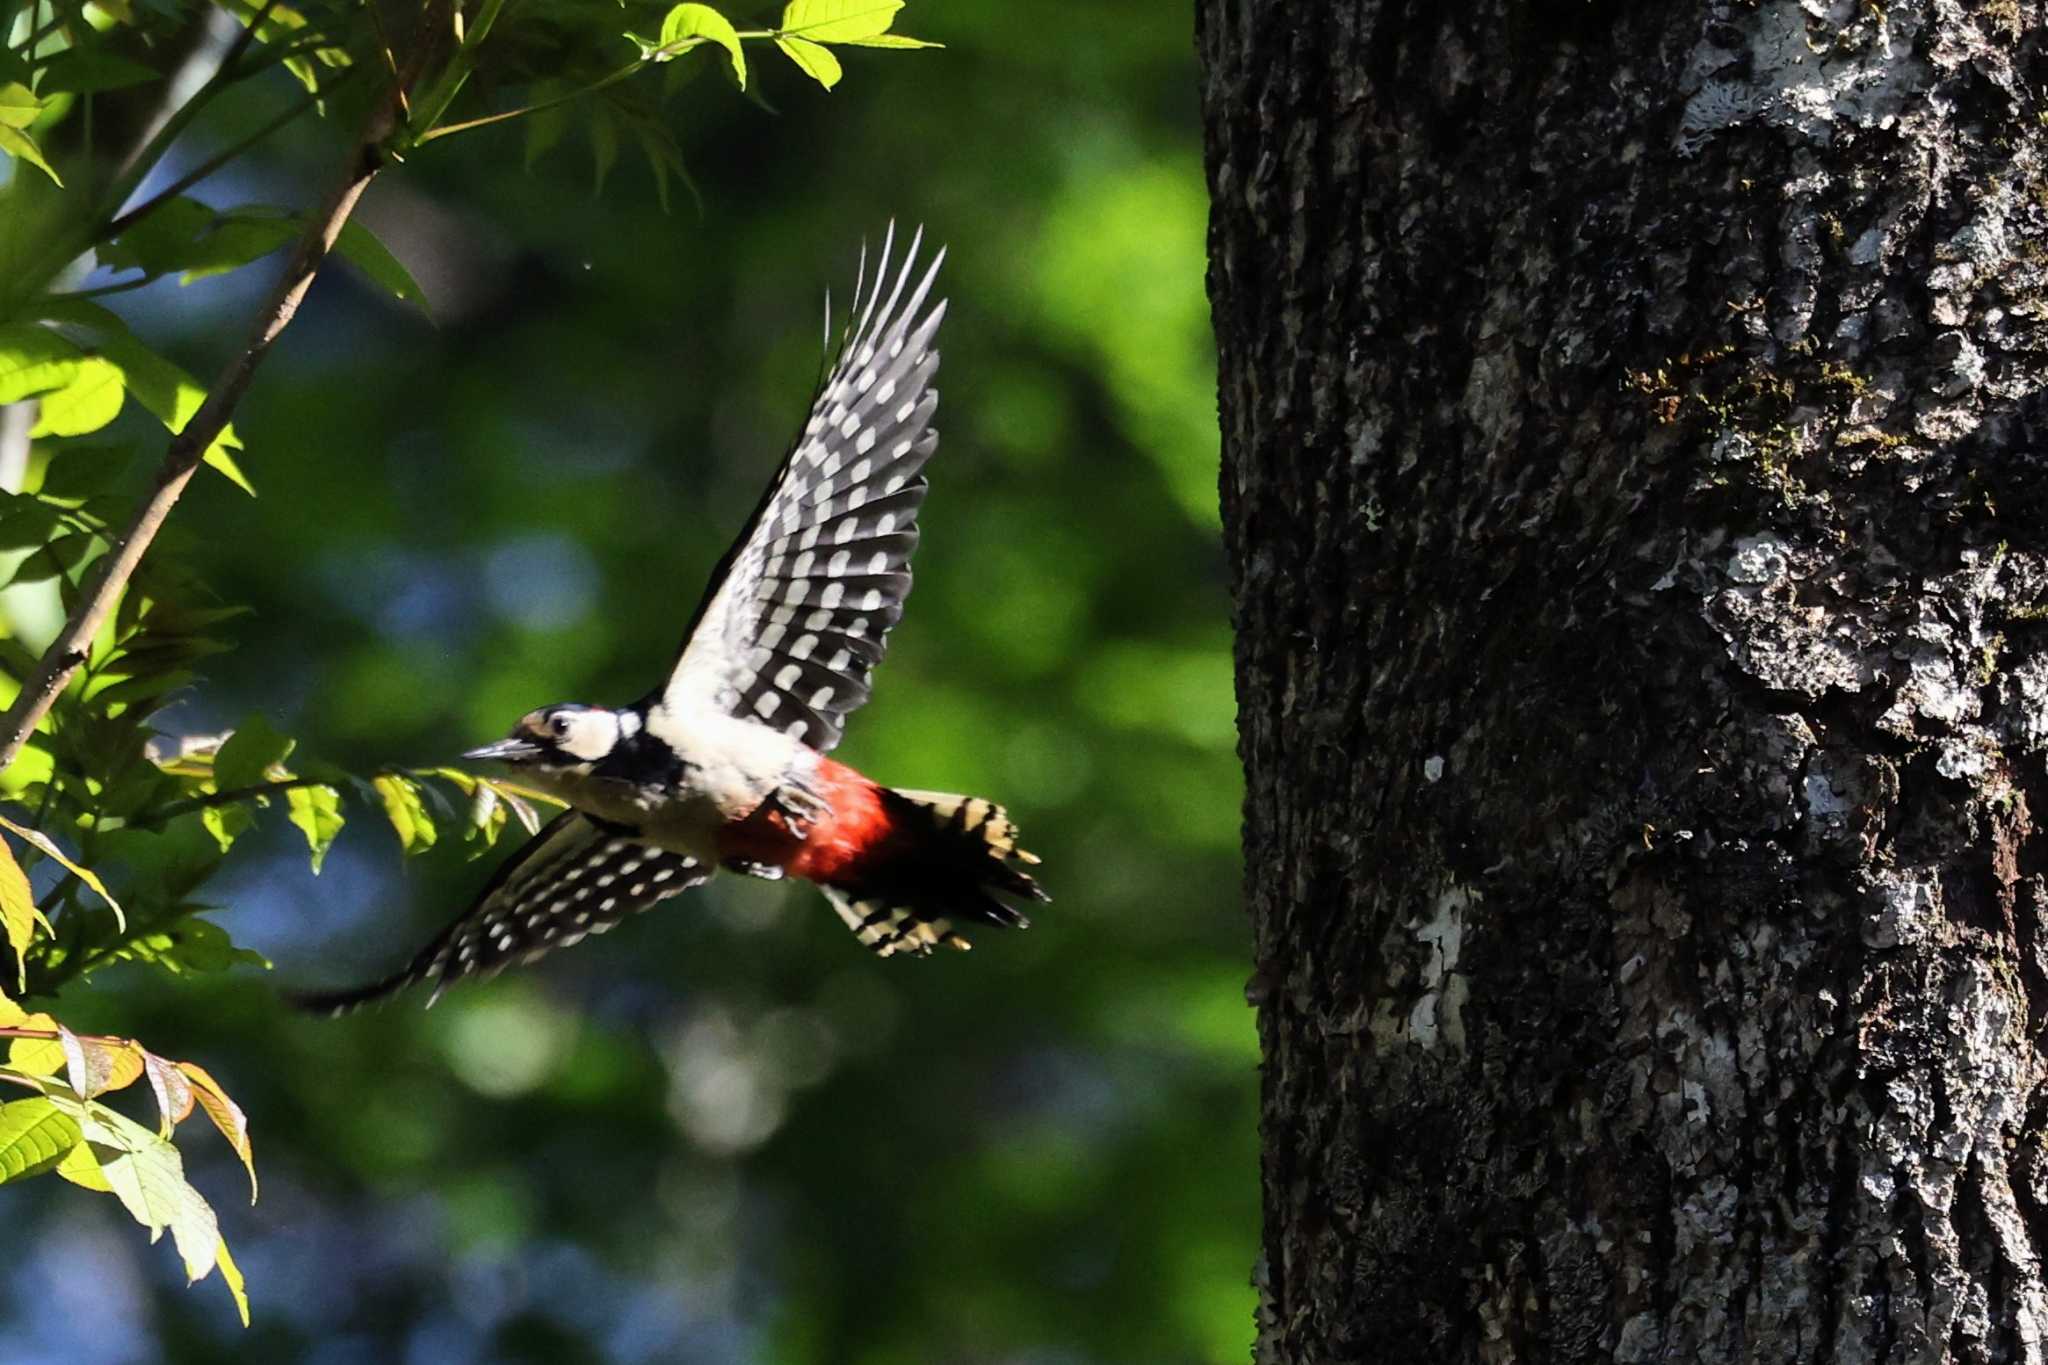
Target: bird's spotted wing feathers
<point>799,613</point>
<point>573,878</point>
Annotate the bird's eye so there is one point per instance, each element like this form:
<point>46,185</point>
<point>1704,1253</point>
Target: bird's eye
<point>559,724</point>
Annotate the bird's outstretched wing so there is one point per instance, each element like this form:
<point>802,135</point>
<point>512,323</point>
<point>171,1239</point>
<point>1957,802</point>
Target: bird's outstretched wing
<point>571,879</point>
<point>799,610</point>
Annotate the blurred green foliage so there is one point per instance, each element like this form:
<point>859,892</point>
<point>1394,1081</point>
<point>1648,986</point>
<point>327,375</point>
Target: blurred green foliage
<point>722,1133</point>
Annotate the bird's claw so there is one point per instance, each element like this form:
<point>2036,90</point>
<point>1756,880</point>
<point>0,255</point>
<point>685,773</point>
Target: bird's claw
<point>800,807</point>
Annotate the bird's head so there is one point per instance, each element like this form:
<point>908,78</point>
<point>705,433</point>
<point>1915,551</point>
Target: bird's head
<point>568,737</point>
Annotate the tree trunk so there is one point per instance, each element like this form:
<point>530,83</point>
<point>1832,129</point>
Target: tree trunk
<point>1636,488</point>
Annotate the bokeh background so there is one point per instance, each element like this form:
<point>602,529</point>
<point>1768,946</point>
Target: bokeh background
<point>723,1134</point>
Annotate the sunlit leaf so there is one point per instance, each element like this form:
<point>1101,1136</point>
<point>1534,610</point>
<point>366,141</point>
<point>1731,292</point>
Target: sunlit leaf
<point>81,1167</point>
<point>11,1014</point>
<point>839,21</point>
<point>174,1092</point>
<point>35,360</point>
<point>37,1056</point>
<point>317,813</point>
<point>408,815</point>
<point>486,815</point>
<point>124,1062</point>
<point>22,147</point>
<point>226,1115</point>
<point>49,849</point>
<point>18,913</point>
<point>19,106</point>
<point>250,756</point>
<point>148,1177</point>
<point>688,21</point>
<point>226,823</point>
<point>78,1068</point>
<point>171,396</point>
<point>279,25</point>
<point>896,40</point>
<point>90,401</point>
<point>816,62</point>
<point>231,1275</point>
<point>34,1135</point>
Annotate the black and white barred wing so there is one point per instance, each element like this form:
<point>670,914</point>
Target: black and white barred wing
<point>572,879</point>
<point>799,612</point>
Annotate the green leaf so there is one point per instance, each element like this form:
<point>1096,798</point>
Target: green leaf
<point>171,396</point>
<point>408,815</point>
<point>90,401</point>
<point>248,756</point>
<point>226,1115</point>
<point>191,945</point>
<point>280,25</point>
<point>82,1168</point>
<point>19,106</point>
<point>35,360</point>
<point>148,1177</point>
<point>173,1092</point>
<point>704,24</point>
<point>85,472</point>
<point>34,1136</point>
<point>26,523</point>
<point>161,241</point>
<point>816,62</point>
<point>18,913</point>
<point>231,1275</point>
<point>317,813</point>
<point>48,848</point>
<point>360,248</point>
<point>22,147</point>
<point>839,21</point>
<point>235,240</point>
<point>37,1056</point>
<point>226,823</point>
<point>79,72</point>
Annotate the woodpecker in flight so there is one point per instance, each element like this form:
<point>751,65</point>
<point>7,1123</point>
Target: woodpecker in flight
<point>725,765</point>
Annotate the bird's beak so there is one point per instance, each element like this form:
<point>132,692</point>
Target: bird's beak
<point>506,750</point>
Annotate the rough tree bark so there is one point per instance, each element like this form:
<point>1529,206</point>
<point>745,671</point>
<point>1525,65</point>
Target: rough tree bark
<point>1636,487</point>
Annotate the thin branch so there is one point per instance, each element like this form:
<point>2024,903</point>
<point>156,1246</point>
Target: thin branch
<point>157,818</point>
<point>188,448</point>
<point>213,163</point>
<point>50,1035</point>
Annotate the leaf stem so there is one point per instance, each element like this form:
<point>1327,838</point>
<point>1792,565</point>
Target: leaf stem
<point>450,129</point>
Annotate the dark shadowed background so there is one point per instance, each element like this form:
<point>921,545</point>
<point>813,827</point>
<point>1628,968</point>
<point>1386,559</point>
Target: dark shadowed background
<point>723,1133</point>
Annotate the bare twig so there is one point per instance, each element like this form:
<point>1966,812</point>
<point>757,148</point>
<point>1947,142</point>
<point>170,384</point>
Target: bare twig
<point>213,163</point>
<point>64,656</point>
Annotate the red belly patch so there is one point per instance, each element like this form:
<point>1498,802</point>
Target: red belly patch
<point>835,849</point>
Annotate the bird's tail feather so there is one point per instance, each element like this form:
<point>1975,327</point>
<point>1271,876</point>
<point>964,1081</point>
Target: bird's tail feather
<point>952,858</point>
